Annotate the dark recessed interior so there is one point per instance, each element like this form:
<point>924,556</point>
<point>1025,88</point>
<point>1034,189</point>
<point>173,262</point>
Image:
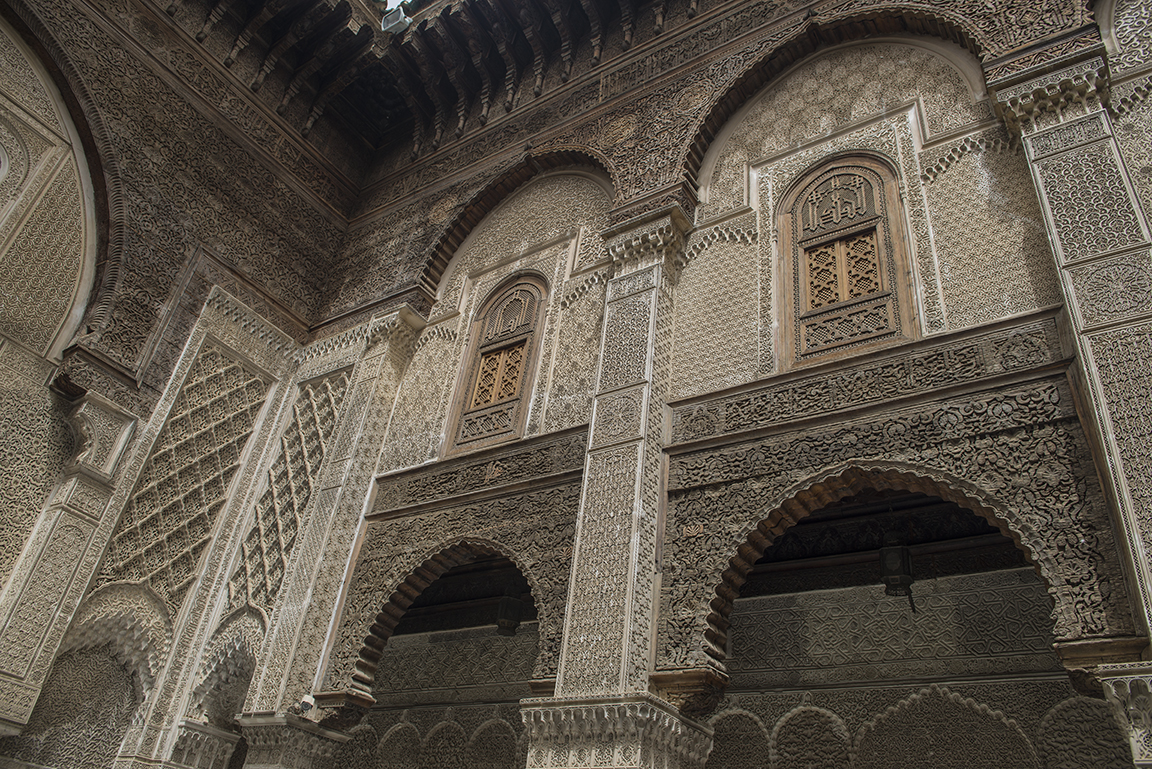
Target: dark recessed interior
<point>839,545</point>
<point>468,596</point>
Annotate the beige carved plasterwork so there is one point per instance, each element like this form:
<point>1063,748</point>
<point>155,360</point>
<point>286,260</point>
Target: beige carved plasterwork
<point>973,446</point>
<point>640,732</point>
<point>47,231</point>
<point>291,481</point>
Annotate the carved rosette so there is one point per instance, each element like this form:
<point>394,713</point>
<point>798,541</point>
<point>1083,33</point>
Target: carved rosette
<point>635,732</point>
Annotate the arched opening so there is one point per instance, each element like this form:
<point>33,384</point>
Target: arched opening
<point>841,670</point>
<point>460,655</point>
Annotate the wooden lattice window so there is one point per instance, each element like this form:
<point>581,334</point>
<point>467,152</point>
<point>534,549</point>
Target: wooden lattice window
<point>848,276</point>
<point>495,391</point>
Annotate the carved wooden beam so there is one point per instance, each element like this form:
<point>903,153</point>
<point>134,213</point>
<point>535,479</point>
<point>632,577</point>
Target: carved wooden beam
<point>596,20</point>
<point>458,66</point>
<point>429,65</point>
<point>504,36</point>
<point>312,13</point>
<point>467,27</point>
<point>558,11</point>
<point>408,84</point>
<point>328,40</point>
<point>256,21</point>
<point>342,77</point>
<point>532,25</point>
<point>628,20</point>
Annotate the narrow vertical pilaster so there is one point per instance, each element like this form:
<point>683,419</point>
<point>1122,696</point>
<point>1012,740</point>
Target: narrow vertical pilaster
<point>603,714</point>
<point>60,557</point>
<point>1101,243</point>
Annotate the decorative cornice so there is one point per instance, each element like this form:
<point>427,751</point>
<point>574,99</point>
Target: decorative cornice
<point>649,240</point>
<point>641,722</point>
<point>1022,106</point>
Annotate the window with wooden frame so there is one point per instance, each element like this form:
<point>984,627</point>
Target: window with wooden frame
<point>847,268</point>
<point>495,390</point>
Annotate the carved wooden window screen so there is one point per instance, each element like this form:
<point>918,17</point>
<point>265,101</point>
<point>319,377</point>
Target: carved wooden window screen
<point>845,261</point>
<point>499,367</point>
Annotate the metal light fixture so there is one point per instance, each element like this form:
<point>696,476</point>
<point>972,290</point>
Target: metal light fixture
<point>896,568</point>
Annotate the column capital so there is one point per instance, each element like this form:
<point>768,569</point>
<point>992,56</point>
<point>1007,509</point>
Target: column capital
<point>656,238</point>
<point>1128,687</point>
<point>630,732</point>
<point>287,740</point>
<point>1045,99</point>
<point>202,746</point>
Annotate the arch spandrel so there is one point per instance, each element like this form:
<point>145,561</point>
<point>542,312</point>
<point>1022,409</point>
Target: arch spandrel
<point>1036,483</point>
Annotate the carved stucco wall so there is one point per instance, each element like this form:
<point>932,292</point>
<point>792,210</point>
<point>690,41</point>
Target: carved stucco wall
<point>47,242</point>
<point>80,719</point>
<point>552,226</point>
<point>1022,724</point>
<point>485,737</point>
<point>185,199</point>
<point>978,438</point>
<point>894,99</point>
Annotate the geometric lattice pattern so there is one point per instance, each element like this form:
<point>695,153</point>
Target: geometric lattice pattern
<point>291,479</point>
<point>848,268</point>
<point>169,520</point>
<point>499,376</point>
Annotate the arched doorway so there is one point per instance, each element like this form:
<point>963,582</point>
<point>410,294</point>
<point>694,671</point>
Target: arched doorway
<point>828,669</point>
<point>450,677</point>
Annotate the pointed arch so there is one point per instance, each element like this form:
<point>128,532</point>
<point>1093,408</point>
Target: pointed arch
<point>815,35</point>
<point>497,191</point>
<point>434,563</point>
<point>110,208</point>
<point>227,665</point>
<point>845,480</point>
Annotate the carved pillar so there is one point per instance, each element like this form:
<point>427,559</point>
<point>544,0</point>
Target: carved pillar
<point>60,558</point>
<point>292,655</point>
<point>1128,688</point>
<point>202,746</point>
<point>1101,243</point>
<point>288,740</point>
<point>602,714</point>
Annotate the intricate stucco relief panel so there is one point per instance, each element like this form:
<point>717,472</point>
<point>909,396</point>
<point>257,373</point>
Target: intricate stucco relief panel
<point>1088,202</point>
<point>928,366</point>
<point>1132,28</point>
<point>30,415</point>
<point>1009,269</point>
<point>718,309</point>
<point>1122,357</point>
<point>291,479</point>
<point>171,517</point>
<point>627,324</point>
<point>1113,289</point>
<point>534,529</point>
<point>598,610</point>
<point>975,445</point>
<point>988,624</point>
<point>873,79</point>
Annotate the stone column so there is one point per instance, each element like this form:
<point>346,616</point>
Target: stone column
<point>1128,688</point>
<point>603,714</point>
<point>202,746</point>
<point>60,558</point>
<point>1100,240</point>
